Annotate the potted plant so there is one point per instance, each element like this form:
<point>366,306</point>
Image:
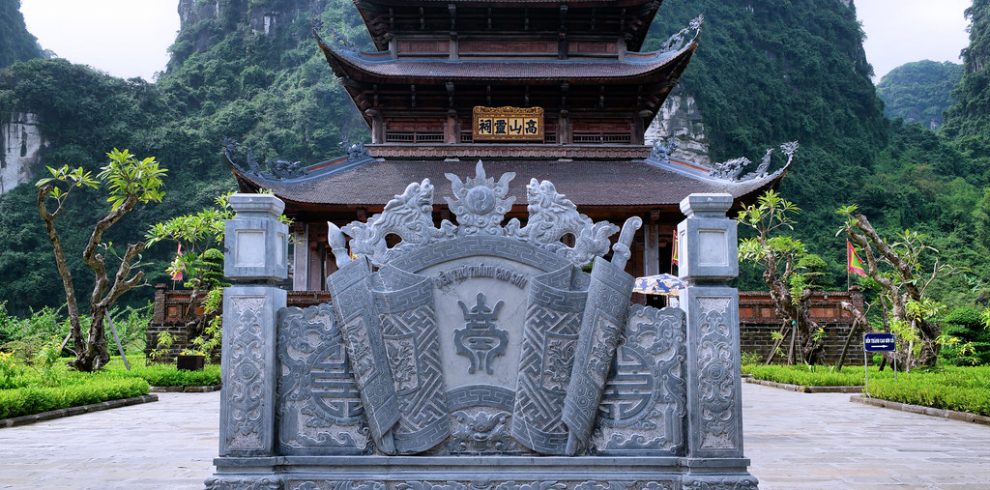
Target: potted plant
<point>190,360</point>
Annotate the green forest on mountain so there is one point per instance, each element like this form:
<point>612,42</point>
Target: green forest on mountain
<point>766,73</point>
<point>919,92</point>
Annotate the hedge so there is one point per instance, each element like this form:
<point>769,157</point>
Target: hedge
<point>168,375</point>
<point>811,375</point>
<point>959,389</point>
<point>34,399</point>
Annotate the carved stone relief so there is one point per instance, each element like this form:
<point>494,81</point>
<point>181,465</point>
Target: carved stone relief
<point>643,407</point>
<point>319,409</point>
<point>245,403</point>
<point>717,376</point>
<point>478,339</point>
<point>550,334</point>
<point>408,324</point>
<point>481,340</point>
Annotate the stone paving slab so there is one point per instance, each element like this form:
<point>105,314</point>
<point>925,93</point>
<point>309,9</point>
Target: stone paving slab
<point>796,442</point>
<point>802,441</point>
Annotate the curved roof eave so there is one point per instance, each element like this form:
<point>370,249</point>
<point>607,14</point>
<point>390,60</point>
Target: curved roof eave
<point>379,66</point>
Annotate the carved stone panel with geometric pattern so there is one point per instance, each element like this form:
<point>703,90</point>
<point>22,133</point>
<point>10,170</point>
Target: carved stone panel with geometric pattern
<point>643,409</point>
<point>319,409</point>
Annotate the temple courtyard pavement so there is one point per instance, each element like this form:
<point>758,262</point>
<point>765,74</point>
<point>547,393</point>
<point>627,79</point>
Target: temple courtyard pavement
<point>796,441</point>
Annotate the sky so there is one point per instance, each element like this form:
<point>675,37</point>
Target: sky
<point>130,38</point>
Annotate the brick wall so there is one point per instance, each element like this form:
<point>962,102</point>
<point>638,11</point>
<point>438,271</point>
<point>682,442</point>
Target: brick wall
<point>173,310</point>
<point>758,322</point>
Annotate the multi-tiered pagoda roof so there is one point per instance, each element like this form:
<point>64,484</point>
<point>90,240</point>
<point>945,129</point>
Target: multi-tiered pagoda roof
<point>556,90</point>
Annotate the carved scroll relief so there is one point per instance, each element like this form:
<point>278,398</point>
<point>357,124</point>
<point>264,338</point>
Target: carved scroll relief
<point>319,410</point>
<point>409,327</point>
<point>362,335</point>
<point>601,326</point>
<point>550,335</point>
<point>643,407</point>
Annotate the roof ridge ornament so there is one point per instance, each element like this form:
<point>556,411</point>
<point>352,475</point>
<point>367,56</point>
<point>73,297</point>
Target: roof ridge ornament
<point>731,170</point>
<point>685,36</point>
<point>480,204</point>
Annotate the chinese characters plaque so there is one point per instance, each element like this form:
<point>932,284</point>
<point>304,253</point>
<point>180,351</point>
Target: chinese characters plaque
<point>507,123</point>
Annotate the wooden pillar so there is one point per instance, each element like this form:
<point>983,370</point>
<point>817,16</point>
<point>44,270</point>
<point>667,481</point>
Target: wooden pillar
<point>639,127</point>
<point>317,236</point>
<point>377,126</point>
<point>300,258</point>
<point>564,128</point>
<point>651,244</point>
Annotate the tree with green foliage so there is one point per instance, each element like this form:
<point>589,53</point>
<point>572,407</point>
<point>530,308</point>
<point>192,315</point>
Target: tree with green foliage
<point>898,270</point>
<point>789,272</point>
<point>968,120</point>
<point>129,181</point>
<point>202,233</point>
<point>16,43</point>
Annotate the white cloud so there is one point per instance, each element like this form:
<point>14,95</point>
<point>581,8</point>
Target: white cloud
<point>902,31</point>
<point>126,38</point>
<point>129,38</point>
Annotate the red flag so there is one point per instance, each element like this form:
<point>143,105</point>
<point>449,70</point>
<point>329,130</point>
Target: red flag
<point>853,264</point>
<point>177,272</point>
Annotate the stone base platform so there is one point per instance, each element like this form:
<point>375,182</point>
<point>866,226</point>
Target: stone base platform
<point>481,473</point>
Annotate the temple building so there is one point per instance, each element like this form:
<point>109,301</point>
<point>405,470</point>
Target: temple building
<point>551,90</point>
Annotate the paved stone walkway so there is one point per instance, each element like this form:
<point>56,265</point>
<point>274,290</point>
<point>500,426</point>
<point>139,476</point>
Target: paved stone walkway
<point>796,441</point>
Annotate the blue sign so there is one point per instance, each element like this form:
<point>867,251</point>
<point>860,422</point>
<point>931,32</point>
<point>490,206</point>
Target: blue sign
<point>878,342</point>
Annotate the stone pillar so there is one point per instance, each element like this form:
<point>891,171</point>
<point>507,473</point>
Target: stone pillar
<point>708,261</point>
<point>256,246</point>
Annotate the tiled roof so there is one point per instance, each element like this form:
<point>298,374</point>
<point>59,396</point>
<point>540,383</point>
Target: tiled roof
<point>587,183</point>
<point>636,28</point>
<point>637,66</point>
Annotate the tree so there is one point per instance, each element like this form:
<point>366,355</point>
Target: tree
<point>201,232</point>
<point>789,272</point>
<point>896,270</point>
<point>129,182</point>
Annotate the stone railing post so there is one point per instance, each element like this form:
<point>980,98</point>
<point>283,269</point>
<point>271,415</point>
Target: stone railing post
<point>256,245</point>
<point>708,261</point>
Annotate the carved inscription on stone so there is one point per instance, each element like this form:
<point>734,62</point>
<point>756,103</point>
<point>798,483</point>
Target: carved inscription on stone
<point>319,411</point>
<point>480,340</point>
<point>643,408</point>
<point>716,375</point>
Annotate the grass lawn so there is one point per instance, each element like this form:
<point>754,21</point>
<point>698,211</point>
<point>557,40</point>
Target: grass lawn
<point>164,374</point>
<point>964,389</point>
<point>26,390</point>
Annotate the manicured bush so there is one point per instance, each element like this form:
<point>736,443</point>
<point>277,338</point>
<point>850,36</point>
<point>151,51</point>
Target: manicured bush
<point>34,399</point>
<point>168,375</point>
<point>960,389</point>
<point>162,374</point>
<point>812,375</point>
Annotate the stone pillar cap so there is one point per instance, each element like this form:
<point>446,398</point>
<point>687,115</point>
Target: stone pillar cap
<point>257,204</point>
<point>706,205</point>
